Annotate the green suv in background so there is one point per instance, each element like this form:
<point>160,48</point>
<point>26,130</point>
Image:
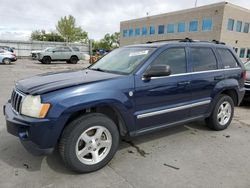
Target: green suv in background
<point>65,53</point>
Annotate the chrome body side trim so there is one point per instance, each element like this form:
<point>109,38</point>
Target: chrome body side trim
<point>149,114</point>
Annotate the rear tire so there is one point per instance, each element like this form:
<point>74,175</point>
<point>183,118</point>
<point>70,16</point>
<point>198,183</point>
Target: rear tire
<point>89,142</point>
<point>73,60</point>
<point>46,60</point>
<point>222,114</point>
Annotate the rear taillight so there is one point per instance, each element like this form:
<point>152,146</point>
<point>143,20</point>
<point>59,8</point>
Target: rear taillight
<point>244,75</point>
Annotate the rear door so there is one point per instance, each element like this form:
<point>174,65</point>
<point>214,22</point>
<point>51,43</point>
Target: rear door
<point>163,100</point>
<point>206,73</point>
<point>66,53</point>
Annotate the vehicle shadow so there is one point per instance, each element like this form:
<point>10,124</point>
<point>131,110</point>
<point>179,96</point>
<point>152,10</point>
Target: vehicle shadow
<point>19,158</point>
<point>245,104</point>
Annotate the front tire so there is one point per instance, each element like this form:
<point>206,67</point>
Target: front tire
<point>222,114</point>
<point>7,61</point>
<point>46,60</point>
<point>89,142</point>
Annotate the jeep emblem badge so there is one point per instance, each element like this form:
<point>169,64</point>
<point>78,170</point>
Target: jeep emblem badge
<point>131,93</point>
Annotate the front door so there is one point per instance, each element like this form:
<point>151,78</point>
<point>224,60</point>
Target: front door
<point>164,100</point>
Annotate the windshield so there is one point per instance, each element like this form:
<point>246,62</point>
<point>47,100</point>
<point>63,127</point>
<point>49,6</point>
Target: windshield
<point>122,60</point>
<point>247,65</point>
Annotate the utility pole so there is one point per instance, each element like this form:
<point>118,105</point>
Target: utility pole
<point>195,3</point>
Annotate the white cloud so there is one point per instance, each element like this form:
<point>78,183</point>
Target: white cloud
<point>97,17</point>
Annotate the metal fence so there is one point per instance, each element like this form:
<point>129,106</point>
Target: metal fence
<point>23,48</point>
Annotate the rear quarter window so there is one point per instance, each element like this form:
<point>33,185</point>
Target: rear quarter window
<point>203,59</point>
<point>228,59</point>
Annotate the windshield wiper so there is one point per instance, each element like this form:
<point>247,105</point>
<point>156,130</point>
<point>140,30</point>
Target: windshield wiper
<point>98,69</point>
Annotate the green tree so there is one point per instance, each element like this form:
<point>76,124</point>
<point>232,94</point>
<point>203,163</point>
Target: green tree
<point>66,26</point>
<point>41,35</point>
<point>108,43</point>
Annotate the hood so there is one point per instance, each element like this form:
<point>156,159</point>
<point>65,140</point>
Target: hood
<point>48,82</point>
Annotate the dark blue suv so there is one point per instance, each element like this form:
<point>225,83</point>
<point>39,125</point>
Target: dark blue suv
<point>131,91</point>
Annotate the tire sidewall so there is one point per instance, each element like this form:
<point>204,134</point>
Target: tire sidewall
<point>73,60</point>
<point>78,128</point>
<point>46,60</point>
<point>217,125</point>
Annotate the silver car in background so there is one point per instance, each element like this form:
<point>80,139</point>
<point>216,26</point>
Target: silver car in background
<point>7,57</point>
<point>64,53</point>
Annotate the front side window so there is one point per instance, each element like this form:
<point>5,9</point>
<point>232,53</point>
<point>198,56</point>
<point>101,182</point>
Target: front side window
<point>193,26</point>
<point>239,26</point>
<point>137,32</point>
<point>175,58</point>
<point>227,58</point>
<point>144,31</point>
<point>242,52</point>
<point>125,33</point>
<point>246,28</point>
<point>152,30</point>
<point>76,49</point>
<point>170,28</point>
<point>203,59</point>
<point>122,60</point>
<point>207,24</point>
<point>131,32</point>
<point>161,29</point>
<point>230,24</point>
<point>181,27</point>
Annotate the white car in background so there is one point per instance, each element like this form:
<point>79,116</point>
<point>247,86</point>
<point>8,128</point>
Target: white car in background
<point>7,57</point>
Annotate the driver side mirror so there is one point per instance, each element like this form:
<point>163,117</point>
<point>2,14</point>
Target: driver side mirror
<point>157,71</point>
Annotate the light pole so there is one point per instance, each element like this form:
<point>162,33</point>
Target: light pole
<point>195,3</point>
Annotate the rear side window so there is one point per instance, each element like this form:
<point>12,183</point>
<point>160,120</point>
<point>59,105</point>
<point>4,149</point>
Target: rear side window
<point>227,59</point>
<point>203,59</point>
<point>175,58</point>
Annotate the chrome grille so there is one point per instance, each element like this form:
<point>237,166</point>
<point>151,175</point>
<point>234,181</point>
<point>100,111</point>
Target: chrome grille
<point>16,100</point>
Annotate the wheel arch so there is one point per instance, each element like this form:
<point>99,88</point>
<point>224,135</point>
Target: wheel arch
<point>110,111</point>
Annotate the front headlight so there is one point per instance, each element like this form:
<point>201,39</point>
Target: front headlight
<point>32,107</point>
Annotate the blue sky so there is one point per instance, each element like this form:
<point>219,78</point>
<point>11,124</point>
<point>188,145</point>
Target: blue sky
<point>97,17</point>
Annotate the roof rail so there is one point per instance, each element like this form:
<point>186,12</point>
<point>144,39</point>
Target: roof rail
<point>187,40</point>
<point>164,40</point>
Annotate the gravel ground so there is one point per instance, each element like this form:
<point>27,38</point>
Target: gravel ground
<point>184,156</point>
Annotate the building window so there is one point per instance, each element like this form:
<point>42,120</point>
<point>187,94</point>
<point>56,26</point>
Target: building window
<point>125,33</point>
<point>181,27</point>
<point>144,31</point>
<point>238,26</point>
<point>246,28</point>
<point>193,26</point>
<point>207,24</point>
<point>230,24</point>
<point>131,33</point>
<point>242,52</point>
<point>137,32</point>
<point>161,29</point>
<point>152,30</point>
<point>248,53</point>
<point>170,28</point>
